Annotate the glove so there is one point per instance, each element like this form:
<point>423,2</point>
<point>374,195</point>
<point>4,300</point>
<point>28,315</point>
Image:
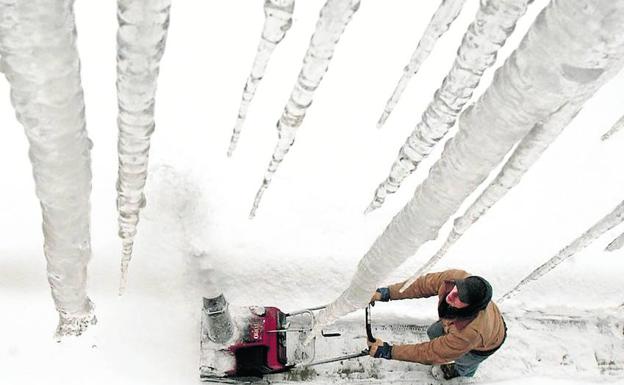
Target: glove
<point>379,349</point>
<point>384,351</point>
<point>381,294</point>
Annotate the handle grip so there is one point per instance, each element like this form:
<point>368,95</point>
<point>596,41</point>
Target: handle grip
<point>369,333</point>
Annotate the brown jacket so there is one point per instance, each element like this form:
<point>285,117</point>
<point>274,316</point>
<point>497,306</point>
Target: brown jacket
<point>484,332</point>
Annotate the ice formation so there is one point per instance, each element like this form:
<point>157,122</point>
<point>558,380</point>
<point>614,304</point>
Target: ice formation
<point>333,19</point>
<point>540,76</point>
<point>608,222</point>
<point>524,156</point>
<point>41,62</point>
<point>494,22</point>
<point>439,24</point>
<point>140,43</point>
<point>278,19</point>
<point>616,244</point>
<point>616,127</point>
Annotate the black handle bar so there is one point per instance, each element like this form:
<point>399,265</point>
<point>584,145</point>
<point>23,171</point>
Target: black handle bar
<point>369,333</point>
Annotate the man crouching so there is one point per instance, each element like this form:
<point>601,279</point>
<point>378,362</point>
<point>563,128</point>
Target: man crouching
<point>470,328</point>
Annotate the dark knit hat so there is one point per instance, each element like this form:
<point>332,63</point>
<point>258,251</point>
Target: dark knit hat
<point>473,289</point>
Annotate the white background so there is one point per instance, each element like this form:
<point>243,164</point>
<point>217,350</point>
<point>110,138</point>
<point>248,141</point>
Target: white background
<point>310,232</point>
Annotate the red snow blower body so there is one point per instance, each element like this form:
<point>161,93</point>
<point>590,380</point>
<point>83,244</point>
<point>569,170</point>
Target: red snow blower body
<point>265,340</point>
<point>262,349</point>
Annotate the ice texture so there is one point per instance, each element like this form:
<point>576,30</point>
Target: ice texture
<point>494,22</point>
<point>41,63</point>
<point>616,128</point>
<point>333,19</point>
<point>141,41</point>
<point>442,19</point>
<point>608,222</point>
<point>540,76</point>
<point>278,19</point>
<point>616,244</point>
<point>528,151</point>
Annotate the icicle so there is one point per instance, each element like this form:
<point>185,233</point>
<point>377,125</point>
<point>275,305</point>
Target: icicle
<point>141,41</point>
<point>494,22</point>
<point>7,19</point>
<point>540,76</point>
<point>452,238</point>
<point>334,17</point>
<point>439,24</point>
<point>616,244</point>
<point>525,155</point>
<point>616,127</point>
<point>611,220</point>
<point>41,63</point>
<point>278,19</point>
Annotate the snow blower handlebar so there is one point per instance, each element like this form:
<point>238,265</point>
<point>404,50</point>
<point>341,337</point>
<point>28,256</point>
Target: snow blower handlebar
<point>365,352</point>
<point>369,333</point>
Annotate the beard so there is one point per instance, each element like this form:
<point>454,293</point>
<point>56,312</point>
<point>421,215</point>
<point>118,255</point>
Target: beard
<point>447,311</point>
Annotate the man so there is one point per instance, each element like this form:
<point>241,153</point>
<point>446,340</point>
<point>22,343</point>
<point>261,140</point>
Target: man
<point>469,330</point>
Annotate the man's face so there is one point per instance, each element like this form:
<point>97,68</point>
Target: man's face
<point>452,299</point>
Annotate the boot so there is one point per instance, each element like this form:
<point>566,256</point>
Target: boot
<point>449,371</point>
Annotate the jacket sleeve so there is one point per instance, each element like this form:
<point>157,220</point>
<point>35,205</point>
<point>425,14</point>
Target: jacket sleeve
<point>439,350</point>
<point>426,285</point>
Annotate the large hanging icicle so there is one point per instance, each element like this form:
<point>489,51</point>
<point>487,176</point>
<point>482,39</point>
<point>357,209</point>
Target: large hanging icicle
<point>494,22</point>
<point>7,19</point>
<point>540,76</point>
<point>611,220</point>
<point>278,19</point>
<point>529,150</point>
<point>616,244</point>
<point>333,19</point>
<point>439,24</point>
<point>41,63</point>
<point>141,41</point>
<point>616,128</point>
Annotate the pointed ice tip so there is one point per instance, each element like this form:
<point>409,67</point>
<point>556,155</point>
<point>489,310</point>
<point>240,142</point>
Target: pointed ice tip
<point>252,212</point>
<point>382,119</point>
<point>123,279</point>
<point>232,147</point>
<point>605,137</point>
<point>258,197</point>
<point>372,207</point>
<point>122,286</point>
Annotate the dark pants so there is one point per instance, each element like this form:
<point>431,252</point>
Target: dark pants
<point>467,364</point>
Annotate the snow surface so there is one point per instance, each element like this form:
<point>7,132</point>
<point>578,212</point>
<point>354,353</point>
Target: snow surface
<point>302,248</point>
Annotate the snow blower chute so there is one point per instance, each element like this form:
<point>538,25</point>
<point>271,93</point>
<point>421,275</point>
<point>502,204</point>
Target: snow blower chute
<point>255,341</point>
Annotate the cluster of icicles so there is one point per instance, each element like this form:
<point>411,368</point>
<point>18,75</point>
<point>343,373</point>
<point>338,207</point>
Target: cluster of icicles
<point>533,97</point>
<point>520,111</point>
<point>41,63</point>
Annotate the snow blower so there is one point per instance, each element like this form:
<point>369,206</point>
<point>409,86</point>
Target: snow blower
<point>249,342</point>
